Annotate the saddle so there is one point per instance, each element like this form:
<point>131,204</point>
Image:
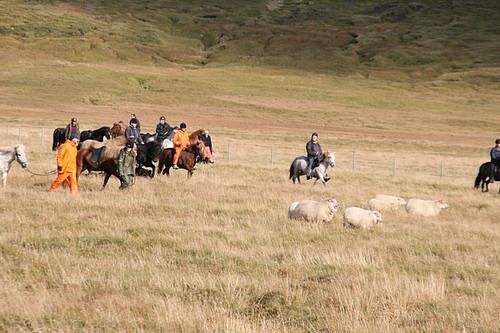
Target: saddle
<point>97,154</point>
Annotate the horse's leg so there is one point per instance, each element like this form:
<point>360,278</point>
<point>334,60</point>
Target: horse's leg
<point>487,183</point>
<point>106,178</point>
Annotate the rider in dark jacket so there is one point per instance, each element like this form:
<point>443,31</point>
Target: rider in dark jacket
<point>132,133</point>
<point>495,159</point>
<point>163,130</point>
<point>313,152</point>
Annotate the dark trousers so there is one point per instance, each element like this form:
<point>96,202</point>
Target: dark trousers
<point>493,169</point>
<point>310,163</point>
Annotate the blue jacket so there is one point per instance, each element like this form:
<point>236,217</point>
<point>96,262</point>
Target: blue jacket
<point>130,131</point>
<point>495,154</point>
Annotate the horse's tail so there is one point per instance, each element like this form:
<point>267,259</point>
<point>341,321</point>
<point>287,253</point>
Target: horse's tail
<point>54,140</point>
<point>479,176</point>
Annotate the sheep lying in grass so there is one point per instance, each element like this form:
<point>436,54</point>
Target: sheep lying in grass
<point>311,210</point>
<point>386,202</point>
<point>361,218</point>
<point>425,207</point>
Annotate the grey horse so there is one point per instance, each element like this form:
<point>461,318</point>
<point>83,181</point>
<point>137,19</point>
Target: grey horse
<point>8,155</point>
<point>299,168</point>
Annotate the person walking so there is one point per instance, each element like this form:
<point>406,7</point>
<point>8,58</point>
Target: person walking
<point>66,165</point>
<point>126,165</point>
<point>72,130</point>
<point>181,142</point>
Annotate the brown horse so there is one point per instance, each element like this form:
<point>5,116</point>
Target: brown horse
<point>194,137</point>
<point>118,129</point>
<point>108,161</point>
<point>187,158</point>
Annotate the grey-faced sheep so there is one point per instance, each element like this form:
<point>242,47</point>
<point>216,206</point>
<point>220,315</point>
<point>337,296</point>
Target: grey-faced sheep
<point>361,218</point>
<point>425,207</point>
<point>386,202</point>
<point>311,210</point>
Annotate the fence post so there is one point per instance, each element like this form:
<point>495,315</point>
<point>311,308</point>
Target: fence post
<point>353,161</point>
<point>394,166</point>
<point>442,169</point>
<point>229,152</point>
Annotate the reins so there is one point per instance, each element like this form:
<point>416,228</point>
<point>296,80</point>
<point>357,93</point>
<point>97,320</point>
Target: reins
<point>41,174</point>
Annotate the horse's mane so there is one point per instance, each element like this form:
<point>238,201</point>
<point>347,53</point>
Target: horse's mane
<point>194,147</point>
<point>118,141</point>
<point>193,137</point>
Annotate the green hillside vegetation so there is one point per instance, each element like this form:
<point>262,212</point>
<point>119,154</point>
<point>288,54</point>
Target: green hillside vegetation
<point>420,40</point>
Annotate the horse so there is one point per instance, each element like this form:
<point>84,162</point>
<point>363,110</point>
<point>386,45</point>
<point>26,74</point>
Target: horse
<point>8,155</point>
<point>299,168</point>
<point>98,134</point>
<point>108,162</point>
<point>148,137</point>
<point>118,129</point>
<point>187,158</point>
<point>58,138</point>
<point>148,153</point>
<point>483,177</point>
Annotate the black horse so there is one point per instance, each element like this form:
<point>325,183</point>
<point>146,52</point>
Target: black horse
<point>98,134</point>
<point>147,153</point>
<point>483,176</point>
<point>58,138</point>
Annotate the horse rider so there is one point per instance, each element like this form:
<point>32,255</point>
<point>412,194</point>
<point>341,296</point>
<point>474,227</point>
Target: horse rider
<point>495,160</point>
<point>181,142</point>
<point>163,130</point>
<point>72,130</point>
<point>132,117</point>
<point>66,165</point>
<point>133,133</point>
<point>126,165</point>
<point>207,141</point>
<point>313,153</point>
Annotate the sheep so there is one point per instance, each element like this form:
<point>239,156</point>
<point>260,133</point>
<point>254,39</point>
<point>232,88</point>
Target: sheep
<point>311,210</point>
<point>425,207</point>
<point>361,218</point>
<point>386,202</point>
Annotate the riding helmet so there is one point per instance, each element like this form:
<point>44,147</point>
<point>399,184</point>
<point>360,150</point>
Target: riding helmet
<point>162,118</point>
<point>315,133</point>
<point>497,141</point>
<point>133,121</point>
<point>182,125</point>
<point>129,144</point>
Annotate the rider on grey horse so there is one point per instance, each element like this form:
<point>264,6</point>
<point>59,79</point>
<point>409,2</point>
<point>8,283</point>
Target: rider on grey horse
<point>313,153</point>
<point>163,130</point>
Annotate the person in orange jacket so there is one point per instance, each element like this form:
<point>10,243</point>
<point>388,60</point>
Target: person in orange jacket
<point>181,142</point>
<point>66,166</point>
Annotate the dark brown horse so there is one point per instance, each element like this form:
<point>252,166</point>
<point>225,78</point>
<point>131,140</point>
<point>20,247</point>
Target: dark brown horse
<point>108,160</point>
<point>118,129</point>
<point>187,158</point>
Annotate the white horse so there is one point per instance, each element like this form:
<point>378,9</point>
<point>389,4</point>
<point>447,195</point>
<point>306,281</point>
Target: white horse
<point>299,167</point>
<point>8,155</point>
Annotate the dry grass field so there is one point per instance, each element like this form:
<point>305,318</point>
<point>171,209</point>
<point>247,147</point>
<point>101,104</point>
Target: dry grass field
<point>217,253</point>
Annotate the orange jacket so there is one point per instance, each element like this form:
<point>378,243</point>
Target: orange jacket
<point>181,139</point>
<point>66,157</point>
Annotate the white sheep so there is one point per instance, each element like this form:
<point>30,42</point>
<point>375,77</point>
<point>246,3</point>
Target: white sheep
<point>386,202</point>
<point>361,218</point>
<point>311,210</point>
<point>425,207</point>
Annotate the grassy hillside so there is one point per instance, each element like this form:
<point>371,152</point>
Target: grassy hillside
<point>417,39</point>
<point>409,90</point>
